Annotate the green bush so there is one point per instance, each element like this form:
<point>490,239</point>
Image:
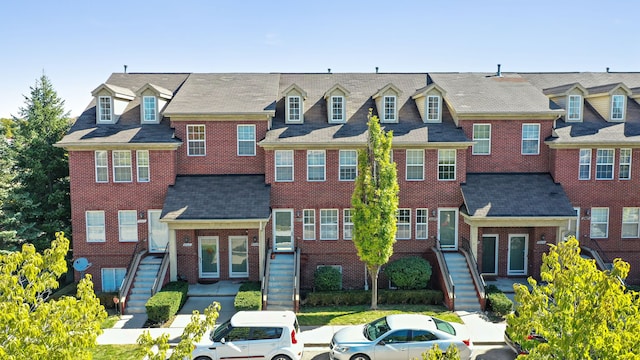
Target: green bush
<point>106,299</point>
<point>409,273</point>
<point>166,302</point>
<point>327,278</point>
<point>499,303</point>
<point>249,297</point>
<point>362,297</point>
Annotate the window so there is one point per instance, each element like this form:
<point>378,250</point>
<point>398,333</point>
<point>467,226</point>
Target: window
<point>196,140</point>
<point>584,173</point>
<point>337,109</point>
<point>422,222</point>
<point>246,140</point>
<point>112,278</point>
<point>530,139</point>
<point>433,108</point>
<point>630,222</point>
<point>128,225</point>
<point>295,109</point>
<point>284,165</point>
<point>149,107</point>
<point>446,164</point>
<point>625,164</point>
<point>315,165</point>
<point>142,159</point>
<point>347,224</point>
<point>574,108</point>
<point>403,223</point>
<point>328,224</point>
<point>121,165</point>
<point>599,222</point>
<point>102,166</point>
<point>482,139</point>
<point>309,224</point>
<point>415,164</point>
<point>389,109</point>
<point>348,165</point>
<point>604,164</point>
<point>617,107</point>
<point>104,109</point>
<point>95,226</point>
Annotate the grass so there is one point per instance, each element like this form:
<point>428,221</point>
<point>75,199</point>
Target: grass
<point>110,321</point>
<point>353,315</point>
<point>120,352</point>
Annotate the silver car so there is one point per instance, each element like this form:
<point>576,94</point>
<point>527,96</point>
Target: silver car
<point>397,337</point>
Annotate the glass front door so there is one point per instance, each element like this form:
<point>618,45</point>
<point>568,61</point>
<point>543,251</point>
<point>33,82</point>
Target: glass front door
<point>209,257</point>
<point>283,230</point>
<point>448,228</point>
<point>517,255</point>
<point>158,233</point>
<point>489,254</point>
<point>238,256</point>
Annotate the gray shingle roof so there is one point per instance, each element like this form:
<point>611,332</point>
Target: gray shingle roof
<point>515,195</point>
<point>217,197</point>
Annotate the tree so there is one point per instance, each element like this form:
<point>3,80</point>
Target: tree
<point>582,312</point>
<point>435,353</point>
<point>375,203</point>
<point>33,326</point>
<point>158,348</point>
<point>7,185</point>
<point>40,200</point>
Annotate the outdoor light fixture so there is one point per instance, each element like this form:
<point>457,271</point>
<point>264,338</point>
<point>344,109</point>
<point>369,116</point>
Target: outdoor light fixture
<point>433,213</point>
<point>186,239</point>
<point>298,214</point>
<point>587,212</point>
<point>141,214</point>
<point>255,239</point>
<point>542,238</point>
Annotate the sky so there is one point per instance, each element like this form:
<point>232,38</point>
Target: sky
<point>79,44</point>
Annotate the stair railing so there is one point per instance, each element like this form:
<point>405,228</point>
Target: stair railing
<point>125,287</point>
<point>450,287</point>
<point>296,281</point>
<point>265,280</point>
<point>472,264</point>
<point>162,272</point>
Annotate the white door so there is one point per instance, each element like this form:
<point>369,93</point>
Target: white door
<point>283,230</point>
<point>238,256</point>
<point>448,228</point>
<point>158,232</point>
<point>208,257</point>
<point>518,254</point>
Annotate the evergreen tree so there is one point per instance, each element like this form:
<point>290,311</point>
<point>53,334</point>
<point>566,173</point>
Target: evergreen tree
<point>375,203</point>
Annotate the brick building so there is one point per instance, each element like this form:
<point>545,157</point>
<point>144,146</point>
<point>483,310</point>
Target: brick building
<point>215,172</point>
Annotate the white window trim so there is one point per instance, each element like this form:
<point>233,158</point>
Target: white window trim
<point>384,118</point>
<point>342,118</point>
<point>87,226</point>
<point>300,108</point>
<point>122,226</point>
<point>622,110</point>
<point>526,257</point>
<point>144,109</point>
<point>101,110</point>
<point>336,224</point>
<point>530,139</point>
<point>579,112</point>
<point>455,164</point>
<point>253,141</point>
<point>438,117</point>
<point>113,272</point>
<point>473,148</point>
<point>346,223</point>
<point>139,167</point>
<point>608,164</point>
<point>275,160</point>
<point>636,223</point>
<point>425,223</point>
<point>405,225</point>
<point>625,164</point>
<point>324,165</point>
<point>305,224</point>
<point>116,166</point>
<point>203,140</point>
<point>341,165</point>
<point>234,274</point>
<point>105,167</point>
<point>606,235</point>
<point>421,165</point>
<point>587,164</point>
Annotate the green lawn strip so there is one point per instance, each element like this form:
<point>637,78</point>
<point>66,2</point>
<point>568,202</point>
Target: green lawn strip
<point>110,321</point>
<point>120,352</point>
<point>353,315</point>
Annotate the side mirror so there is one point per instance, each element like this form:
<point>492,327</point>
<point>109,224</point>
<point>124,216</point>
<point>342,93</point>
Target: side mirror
<point>382,343</point>
<point>223,341</point>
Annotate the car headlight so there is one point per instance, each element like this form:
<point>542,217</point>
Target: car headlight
<point>340,348</point>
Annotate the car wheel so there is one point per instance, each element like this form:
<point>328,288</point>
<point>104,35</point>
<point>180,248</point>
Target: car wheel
<point>359,357</point>
<point>202,358</point>
<point>281,357</point>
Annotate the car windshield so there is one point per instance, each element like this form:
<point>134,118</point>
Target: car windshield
<point>221,331</point>
<point>374,329</point>
<point>444,326</point>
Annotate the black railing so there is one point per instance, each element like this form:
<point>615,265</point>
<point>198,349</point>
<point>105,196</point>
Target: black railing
<point>472,263</point>
<point>445,275</point>
<point>123,291</point>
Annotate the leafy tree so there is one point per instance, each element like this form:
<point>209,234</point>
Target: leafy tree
<point>7,127</point>
<point>158,348</point>
<point>375,203</point>
<point>40,202</point>
<point>7,218</point>
<point>435,353</point>
<point>583,312</point>
<point>36,327</point>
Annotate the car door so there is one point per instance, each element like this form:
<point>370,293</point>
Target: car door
<point>392,346</point>
<point>423,340</point>
<point>264,342</point>
<point>235,345</point>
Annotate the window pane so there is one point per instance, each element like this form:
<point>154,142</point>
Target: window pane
<point>415,164</point>
<point>102,167</point>
<point>482,139</point>
<point>575,105</point>
<point>422,218</point>
<point>604,164</point>
<point>195,140</point>
<point>309,224</point>
<point>599,222</point>
<point>403,224</point>
<point>315,165</point>
<point>625,164</point>
<point>447,164</point>
<point>348,225</point>
<point>389,108</point>
<point>328,224</point>
<point>294,108</point>
<point>433,108</point>
<point>530,139</point>
<point>149,108</point>
<point>95,226</point>
<point>617,107</point>
<point>348,164</point>
<point>630,222</point>
<point>585,164</point>
<point>128,225</point>
<point>246,140</point>
<point>337,108</point>
<point>121,165</point>
<point>142,158</point>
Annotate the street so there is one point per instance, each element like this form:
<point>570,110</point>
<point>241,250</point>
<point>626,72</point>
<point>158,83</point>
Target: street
<point>485,352</point>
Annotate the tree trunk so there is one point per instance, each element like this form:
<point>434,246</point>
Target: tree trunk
<point>374,287</point>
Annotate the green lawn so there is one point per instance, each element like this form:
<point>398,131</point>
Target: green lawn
<point>120,352</point>
<point>353,315</point>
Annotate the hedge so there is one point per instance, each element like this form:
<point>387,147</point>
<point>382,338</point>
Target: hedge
<point>166,303</point>
<point>409,273</point>
<point>327,278</point>
<point>249,297</point>
<point>363,297</point>
<point>498,302</point>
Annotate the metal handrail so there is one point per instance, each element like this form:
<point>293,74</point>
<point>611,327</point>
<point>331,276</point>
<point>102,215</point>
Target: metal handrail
<point>603,255</point>
<point>296,281</point>
<point>444,272</point>
<point>162,272</point>
<point>472,263</point>
<point>265,280</point>
<point>123,291</point>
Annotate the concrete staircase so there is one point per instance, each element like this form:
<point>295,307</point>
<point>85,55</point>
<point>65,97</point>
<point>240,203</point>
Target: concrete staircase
<point>281,278</point>
<point>141,291</point>
<point>466,297</point>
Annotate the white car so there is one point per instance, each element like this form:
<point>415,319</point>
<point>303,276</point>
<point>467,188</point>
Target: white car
<point>268,335</point>
<point>397,337</point>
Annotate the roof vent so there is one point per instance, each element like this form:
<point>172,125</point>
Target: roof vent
<point>125,69</point>
<point>607,69</point>
<point>376,69</point>
<point>329,70</point>
<point>499,73</point>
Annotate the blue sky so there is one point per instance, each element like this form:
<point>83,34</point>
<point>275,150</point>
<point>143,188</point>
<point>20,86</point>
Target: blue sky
<point>78,44</point>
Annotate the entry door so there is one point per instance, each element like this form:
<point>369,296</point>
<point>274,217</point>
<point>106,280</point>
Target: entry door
<point>208,254</point>
<point>489,254</point>
<point>517,254</point>
<point>448,228</point>
<point>283,230</point>
<point>238,256</point>
<point>158,232</point>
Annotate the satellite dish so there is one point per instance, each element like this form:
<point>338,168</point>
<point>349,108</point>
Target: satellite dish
<point>81,264</point>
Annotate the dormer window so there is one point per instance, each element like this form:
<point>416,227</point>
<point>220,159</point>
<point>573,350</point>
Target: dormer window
<point>389,114</point>
<point>336,98</point>
<point>294,109</point>
<point>149,108</point>
<point>617,107</point>
<point>429,103</point>
<point>337,109</point>
<point>105,112</point>
<point>433,108</point>
<point>574,108</point>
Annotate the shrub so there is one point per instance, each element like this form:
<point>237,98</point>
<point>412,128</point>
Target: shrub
<point>327,278</point>
<point>362,297</point>
<point>249,297</point>
<point>499,303</point>
<point>409,273</point>
<point>166,303</point>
